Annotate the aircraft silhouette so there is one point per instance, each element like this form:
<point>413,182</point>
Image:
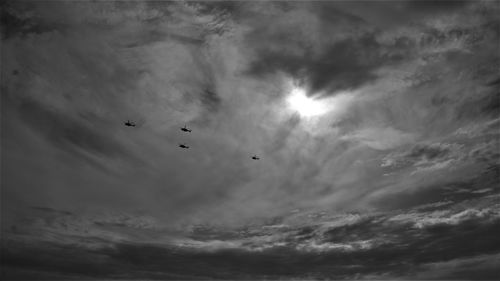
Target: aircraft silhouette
<point>130,124</point>
<point>183,146</point>
<point>185,129</point>
<point>255,157</point>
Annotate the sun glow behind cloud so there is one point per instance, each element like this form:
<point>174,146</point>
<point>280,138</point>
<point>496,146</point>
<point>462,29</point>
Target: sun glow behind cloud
<point>305,106</point>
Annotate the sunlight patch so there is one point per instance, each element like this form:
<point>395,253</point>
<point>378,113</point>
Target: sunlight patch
<point>304,105</point>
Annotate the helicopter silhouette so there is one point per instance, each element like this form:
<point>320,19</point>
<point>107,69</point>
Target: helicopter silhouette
<point>183,146</point>
<point>255,157</point>
<point>129,124</point>
<point>185,129</point>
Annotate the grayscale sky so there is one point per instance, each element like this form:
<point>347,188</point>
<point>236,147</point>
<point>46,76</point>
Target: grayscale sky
<point>393,174</point>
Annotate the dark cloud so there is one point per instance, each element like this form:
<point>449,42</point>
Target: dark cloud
<point>394,245</point>
<point>428,152</point>
<point>16,19</point>
<point>350,49</point>
<point>346,64</point>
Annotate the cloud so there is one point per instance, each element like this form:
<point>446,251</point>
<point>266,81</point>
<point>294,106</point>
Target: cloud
<point>332,47</point>
<point>340,67</point>
<point>379,243</point>
<point>429,152</point>
<point>387,15</point>
<point>19,19</point>
<point>461,217</point>
<point>409,139</point>
<point>426,157</point>
<point>486,152</point>
<point>478,267</point>
<point>52,210</point>
<point>380,138</point>
<point>69,134</point>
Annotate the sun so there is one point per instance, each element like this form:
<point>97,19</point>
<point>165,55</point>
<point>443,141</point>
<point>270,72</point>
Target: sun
<point>305,106</point>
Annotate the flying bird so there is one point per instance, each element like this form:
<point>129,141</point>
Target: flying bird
<point>255,157</point>
<point>183,146</point>
<point>185,129</point>
<point>129,124</point>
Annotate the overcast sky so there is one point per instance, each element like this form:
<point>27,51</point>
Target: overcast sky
<point>407,137</point>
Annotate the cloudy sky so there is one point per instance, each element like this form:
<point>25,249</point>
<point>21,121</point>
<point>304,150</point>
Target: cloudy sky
<point>377,126</point>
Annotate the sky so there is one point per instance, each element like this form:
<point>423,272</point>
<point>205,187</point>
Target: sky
<point>376,123</point>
